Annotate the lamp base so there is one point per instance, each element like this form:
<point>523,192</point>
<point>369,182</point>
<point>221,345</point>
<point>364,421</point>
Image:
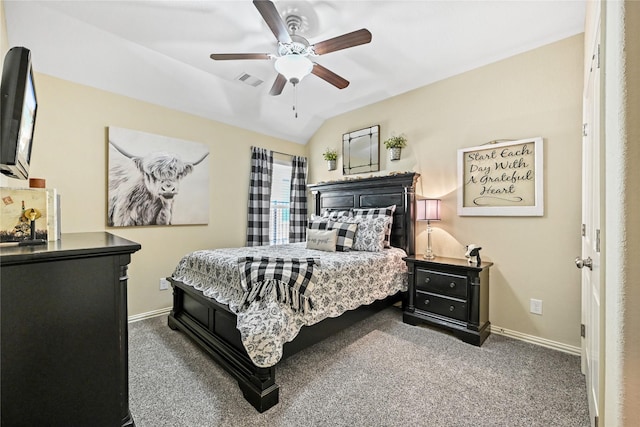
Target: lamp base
<point>428,254</point>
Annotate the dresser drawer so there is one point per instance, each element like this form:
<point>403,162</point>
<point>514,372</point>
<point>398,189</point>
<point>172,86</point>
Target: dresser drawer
<point>447,307</point>
<point>441,283</point>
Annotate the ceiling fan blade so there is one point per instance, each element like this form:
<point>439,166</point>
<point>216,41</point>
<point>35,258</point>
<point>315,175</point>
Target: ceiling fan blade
<point>271,16</point>
<point>278,85</point>
<point>344,41</point>
<point>329,76</point>
<point>227,56</point>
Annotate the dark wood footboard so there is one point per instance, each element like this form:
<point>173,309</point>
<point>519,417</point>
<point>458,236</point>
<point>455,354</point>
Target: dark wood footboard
<point>213,327</point>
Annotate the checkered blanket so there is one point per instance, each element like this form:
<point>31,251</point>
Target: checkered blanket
<point>292,278</point>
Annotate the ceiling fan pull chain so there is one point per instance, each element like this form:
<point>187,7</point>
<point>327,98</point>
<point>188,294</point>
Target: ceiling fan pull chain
<point>295,99</point>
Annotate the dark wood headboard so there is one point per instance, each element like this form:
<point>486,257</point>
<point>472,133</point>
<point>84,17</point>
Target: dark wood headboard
<point>375,192</point>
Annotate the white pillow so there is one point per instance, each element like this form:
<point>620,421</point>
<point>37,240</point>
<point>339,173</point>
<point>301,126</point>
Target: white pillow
<point>322,240</point>
<point>375,213</point>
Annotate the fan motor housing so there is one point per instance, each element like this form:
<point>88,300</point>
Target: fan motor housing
<point>298,46</point>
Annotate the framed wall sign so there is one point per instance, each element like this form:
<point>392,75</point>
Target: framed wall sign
<point>502,179</point>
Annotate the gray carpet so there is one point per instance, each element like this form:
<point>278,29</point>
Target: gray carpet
<point>380,372</point>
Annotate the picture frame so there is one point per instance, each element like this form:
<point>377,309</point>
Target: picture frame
<point>361,151</point>
<point>156,180</point>
<point>501,179</point>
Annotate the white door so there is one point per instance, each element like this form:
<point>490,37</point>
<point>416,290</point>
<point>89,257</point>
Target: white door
<point>589,261</point>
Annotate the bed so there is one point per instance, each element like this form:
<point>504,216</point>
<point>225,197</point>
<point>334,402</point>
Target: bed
<point>212,318</point>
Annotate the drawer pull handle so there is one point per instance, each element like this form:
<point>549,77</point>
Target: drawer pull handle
<point>426,302</point>
<point>427,279</point>
<point>452,285</point>
<point>451,308</point>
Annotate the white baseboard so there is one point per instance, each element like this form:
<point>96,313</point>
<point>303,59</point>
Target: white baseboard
<point>149,314</point>
<point>565,348</point>
<point>498,330</point>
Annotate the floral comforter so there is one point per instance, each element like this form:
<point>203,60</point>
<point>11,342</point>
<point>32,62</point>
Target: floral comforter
<point>345,281</point>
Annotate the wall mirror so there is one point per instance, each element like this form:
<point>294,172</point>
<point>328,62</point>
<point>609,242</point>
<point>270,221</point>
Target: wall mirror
<point>360,151</point>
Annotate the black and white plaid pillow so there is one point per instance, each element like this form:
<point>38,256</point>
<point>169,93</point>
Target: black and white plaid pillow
<point>346,235</point>
<point>336,213</point>
<point>316,223</point>
<point>378,213</point>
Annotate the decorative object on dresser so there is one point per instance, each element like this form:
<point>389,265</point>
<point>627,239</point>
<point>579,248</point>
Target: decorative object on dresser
<point>428,210</point>
<point>64,332</point>
<point>449,293</point>
<point>360,151</point>
<point>18,227</point>
<point>214,325</point>
<point>473,254</point>
<point>394,146</point>
<point>37,183</point>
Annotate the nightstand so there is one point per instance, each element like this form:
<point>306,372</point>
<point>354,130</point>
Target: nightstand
<point>451,294</point>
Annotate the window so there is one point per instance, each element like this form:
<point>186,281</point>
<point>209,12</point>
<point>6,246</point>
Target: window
<point>280,201</point>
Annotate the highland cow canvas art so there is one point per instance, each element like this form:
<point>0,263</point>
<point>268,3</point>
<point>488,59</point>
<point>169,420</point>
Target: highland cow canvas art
<point>156,180</point>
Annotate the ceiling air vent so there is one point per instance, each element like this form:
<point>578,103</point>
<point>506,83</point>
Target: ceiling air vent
<point>250,80</point>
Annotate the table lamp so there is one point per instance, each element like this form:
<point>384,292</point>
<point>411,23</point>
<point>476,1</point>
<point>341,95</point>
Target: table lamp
<point>428,210</point>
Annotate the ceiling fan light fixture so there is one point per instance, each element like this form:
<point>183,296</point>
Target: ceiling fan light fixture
<point>294,67</point>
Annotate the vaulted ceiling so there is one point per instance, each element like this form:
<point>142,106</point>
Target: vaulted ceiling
<point>159,51</point>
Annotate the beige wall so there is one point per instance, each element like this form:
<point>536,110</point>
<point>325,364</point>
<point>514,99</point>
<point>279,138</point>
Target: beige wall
<point>4,43</point>
<point>538,93</point>
<point>70,152</point>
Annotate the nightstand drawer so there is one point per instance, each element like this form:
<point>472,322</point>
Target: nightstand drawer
<point>447,307</point>
<point>441,283</point>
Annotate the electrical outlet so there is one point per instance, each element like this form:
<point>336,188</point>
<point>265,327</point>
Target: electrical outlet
<point>535,306</point>
<point>164,284</point>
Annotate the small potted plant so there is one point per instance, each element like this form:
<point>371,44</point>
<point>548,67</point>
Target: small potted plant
<point>395,144</point>
<point>330,155</point>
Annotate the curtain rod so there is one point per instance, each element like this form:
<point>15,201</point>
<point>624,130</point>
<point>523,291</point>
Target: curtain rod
<point>284,154</point>
<point>280,152</point>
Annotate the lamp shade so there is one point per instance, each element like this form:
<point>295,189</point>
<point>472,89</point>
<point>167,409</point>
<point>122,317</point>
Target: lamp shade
<point>294,67</point>
<point>428,210</point>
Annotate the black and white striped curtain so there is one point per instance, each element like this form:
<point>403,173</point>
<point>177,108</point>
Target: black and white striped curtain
<point>298,200</point>
<point>259,197</point>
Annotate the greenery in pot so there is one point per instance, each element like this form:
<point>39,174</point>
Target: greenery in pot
<point>330,154</point>
<point>396,142</point>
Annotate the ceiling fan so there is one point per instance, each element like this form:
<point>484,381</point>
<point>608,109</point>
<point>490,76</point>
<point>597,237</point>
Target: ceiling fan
<point>293,61</point>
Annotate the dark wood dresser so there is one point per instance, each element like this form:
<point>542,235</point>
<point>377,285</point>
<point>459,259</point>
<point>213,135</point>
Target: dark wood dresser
<point>449,293</point>
<point>63,336</point>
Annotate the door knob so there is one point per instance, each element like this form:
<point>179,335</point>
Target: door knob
<point>580,263</point>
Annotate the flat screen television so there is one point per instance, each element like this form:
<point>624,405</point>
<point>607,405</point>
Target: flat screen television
<point>17,113</point>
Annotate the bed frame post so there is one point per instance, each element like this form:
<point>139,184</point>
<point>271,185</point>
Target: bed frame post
<point>409,219</point>
<point>212,326</point>
<point>260,389</point>
<point>316,199</point>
